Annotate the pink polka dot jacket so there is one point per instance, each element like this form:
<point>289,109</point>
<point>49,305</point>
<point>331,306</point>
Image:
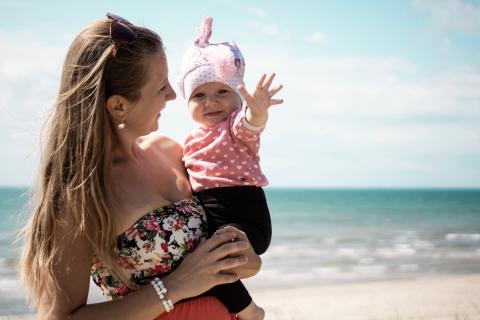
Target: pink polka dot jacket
<point>224,155</point>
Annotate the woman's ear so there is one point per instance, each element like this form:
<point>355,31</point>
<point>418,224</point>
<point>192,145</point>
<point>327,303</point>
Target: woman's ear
<point>117,107</point>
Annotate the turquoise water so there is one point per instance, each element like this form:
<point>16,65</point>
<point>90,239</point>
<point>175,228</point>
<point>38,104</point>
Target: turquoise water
<point>12,202</point>
<point>331,236</point>
<point>328,236</point>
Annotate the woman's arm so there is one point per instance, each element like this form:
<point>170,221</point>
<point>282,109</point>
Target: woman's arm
<point>198,272</point>
<point>254,263</point>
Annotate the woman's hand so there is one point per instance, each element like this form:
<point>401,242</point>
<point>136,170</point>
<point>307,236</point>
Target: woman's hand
<point>254,261</point>
<point>210,264</point>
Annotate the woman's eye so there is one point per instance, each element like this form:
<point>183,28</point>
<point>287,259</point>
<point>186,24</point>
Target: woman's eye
<point>163,88</point>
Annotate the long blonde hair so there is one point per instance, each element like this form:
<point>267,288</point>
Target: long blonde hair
<point>74,171</point>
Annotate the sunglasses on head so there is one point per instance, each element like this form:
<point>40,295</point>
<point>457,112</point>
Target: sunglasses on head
<point>120,31</point>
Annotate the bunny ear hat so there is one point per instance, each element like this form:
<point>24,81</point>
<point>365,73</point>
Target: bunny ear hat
<point>210,62</point>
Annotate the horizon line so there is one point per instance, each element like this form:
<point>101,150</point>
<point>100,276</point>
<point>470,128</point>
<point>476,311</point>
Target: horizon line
<point>299,187</point>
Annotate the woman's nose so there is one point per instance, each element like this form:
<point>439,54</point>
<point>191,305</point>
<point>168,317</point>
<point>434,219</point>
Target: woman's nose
<point>171,95</point>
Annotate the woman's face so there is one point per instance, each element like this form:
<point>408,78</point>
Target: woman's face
<point>143,116</point>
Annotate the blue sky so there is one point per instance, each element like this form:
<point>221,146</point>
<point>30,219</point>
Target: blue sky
<point>377,93</point>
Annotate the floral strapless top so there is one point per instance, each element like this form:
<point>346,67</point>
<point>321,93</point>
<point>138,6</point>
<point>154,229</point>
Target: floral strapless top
<point>153,246</point>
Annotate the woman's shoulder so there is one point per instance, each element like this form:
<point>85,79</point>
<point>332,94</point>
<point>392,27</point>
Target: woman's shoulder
<point>160,143</point>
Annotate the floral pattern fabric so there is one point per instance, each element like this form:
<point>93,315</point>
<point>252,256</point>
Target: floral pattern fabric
<point>153,246</point>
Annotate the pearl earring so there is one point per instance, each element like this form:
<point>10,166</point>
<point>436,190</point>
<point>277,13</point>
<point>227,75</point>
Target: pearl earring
<point>121,126</point>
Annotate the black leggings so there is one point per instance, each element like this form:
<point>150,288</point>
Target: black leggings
<point>246,208</point>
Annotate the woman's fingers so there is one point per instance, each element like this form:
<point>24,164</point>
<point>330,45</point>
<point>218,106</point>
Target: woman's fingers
<point>217,241</point>
<point>231,248</point>
<point>230,262</point>
<point>210,264</point>
<point>238,233</point>
<point>222,278</point>
<point>223,231</point>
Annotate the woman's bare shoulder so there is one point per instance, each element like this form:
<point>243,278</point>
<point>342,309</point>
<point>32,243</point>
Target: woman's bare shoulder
<point>160,143</point>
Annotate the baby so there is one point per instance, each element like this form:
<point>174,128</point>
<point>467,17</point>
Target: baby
<point>221,156</point>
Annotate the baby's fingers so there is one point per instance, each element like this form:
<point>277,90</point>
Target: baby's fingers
<point>269,82</point>
<point>248,97</point>
<point>274,91</point>
<point>260,84</point>
<point>276,101</point>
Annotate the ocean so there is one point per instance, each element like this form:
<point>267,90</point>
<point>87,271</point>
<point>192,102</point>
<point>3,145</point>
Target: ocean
<point>325,236</point>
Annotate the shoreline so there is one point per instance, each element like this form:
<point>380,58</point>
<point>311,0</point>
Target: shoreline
<point>449,297</point>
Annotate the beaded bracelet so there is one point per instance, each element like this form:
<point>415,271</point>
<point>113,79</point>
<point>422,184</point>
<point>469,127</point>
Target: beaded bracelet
<point>162,293</point>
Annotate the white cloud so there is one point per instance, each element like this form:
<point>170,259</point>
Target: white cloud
<point>270,29</point>
<point>447,47</point>
<point>317,37</point>
<point>29,73</point>
<point>452,14</point>
<point>257,12</point>
<point>15,4</point>
<point>388,87</point>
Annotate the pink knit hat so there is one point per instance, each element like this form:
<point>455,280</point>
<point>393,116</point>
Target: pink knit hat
<point>210,62</point>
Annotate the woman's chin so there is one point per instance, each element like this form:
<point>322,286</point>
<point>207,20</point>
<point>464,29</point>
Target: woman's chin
<point>154,127</point>
<point>150,130</point>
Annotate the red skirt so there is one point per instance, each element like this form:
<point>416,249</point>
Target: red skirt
<point>203,308</point>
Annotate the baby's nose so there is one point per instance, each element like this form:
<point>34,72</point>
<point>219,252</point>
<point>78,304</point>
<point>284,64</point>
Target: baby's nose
<point>210,102</point>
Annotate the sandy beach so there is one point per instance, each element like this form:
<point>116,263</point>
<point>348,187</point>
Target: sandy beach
<point>436,298</point>
<point>452,297</point>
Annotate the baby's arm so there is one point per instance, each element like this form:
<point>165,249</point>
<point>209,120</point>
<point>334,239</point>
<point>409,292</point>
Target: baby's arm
<point>261,99</point>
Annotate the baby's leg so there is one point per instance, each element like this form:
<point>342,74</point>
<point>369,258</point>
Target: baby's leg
<point>234,296</point>
<point>252,312</point>
<point>245,208</point>
<point>242,207</point>
<point>236,299</point>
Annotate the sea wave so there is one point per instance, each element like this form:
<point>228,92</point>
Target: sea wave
<point>11,287</point>
<point>463,237</point>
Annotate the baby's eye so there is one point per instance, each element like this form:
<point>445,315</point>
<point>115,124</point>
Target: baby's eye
<point>222,91</point>
<point>199,95</point>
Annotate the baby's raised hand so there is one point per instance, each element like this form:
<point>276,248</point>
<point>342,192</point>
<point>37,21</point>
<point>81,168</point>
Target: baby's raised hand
<point>261,99</point>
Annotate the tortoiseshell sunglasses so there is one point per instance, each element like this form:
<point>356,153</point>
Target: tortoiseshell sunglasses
<point>120,31</point>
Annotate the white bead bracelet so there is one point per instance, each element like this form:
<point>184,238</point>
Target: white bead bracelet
<point>162,293</point>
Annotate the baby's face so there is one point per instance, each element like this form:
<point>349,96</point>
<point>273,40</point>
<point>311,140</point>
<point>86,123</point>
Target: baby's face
<point>212,103</point>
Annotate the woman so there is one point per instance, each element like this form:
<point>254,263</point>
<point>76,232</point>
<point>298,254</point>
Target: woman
<point>101,183</point>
